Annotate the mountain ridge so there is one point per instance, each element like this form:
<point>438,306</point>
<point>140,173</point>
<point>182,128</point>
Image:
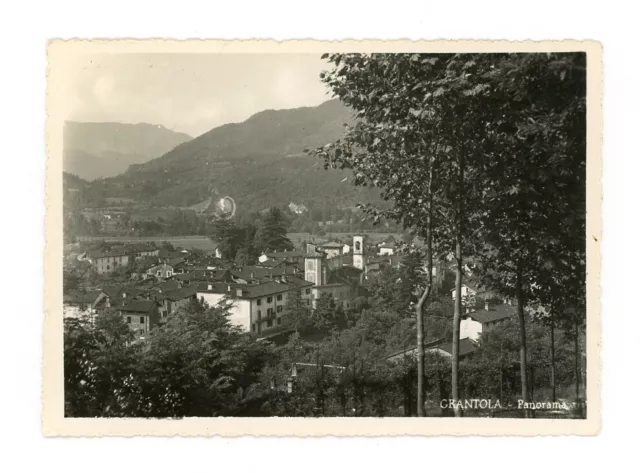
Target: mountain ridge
<point>94,150</point>
<point>259,162</point>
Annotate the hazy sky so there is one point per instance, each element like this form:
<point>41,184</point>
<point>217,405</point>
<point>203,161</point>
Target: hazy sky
<point>191,93</point>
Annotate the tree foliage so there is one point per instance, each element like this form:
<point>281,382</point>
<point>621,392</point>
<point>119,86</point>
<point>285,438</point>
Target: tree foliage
<point>482,153</point>
<point>195,364</point>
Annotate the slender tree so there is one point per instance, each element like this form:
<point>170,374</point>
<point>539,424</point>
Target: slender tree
<point>406,142</point>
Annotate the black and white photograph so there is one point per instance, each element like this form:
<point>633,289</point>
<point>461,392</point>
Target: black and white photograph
<point>324,232</point>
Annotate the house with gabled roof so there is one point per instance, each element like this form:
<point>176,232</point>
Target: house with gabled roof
<point>253,274</point>
<point>112,296</point>
<point>143,250</point>
<point>80,304</point>
<point>480,321</point>
<point>439,347</point>
<point>279,256</point>
<point>176,299</point>
<point>386,249</point>
<point>107,261</point>
<point>160,271</point>
<point>140,315</point>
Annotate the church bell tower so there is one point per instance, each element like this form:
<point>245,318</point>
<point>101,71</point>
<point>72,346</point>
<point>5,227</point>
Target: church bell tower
<point>358,251</point>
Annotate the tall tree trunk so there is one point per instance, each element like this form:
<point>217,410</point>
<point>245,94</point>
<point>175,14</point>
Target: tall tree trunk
<point>420,349</point>
<point>501,375</point>
<point>457,308</point>
<point>523,336</point>
<point>553,358</point>
<point>457,311</point>
<point>420,324</point>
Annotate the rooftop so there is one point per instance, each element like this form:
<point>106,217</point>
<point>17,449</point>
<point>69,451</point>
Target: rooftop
<point>138,306</point>
<point>182,293</point>
<point>82,297</point>
<point>296,281</point>
<point>107,254</point>
<point>168,286</point>
<point>258,272</point>
<point>499,312</point>
<point>466,347</point>
<point>285,254</point>
<point>249,291</point>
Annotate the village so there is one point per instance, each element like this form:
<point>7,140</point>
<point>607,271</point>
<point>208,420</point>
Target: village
<point>167,279</point>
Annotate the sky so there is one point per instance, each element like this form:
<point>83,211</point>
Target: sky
<point>190,93</point>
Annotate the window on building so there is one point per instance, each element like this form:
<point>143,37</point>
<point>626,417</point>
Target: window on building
<point>259,302</point>
<point>141,320</point>
<point>279,321</point>
<point>269,299</point>
<point>279,297</point>
<point>270,323</point>
<point>253,327</point>
<point>269,312</point>
<point>128,320</point>
<point>308,302</point>
<point>259,314</point>
<point>279,309</point>
<point>307,291</point>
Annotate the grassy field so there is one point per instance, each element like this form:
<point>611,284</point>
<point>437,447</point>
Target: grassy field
<point>204,243</point>
<point>374,238</point>
<point>188,242</point>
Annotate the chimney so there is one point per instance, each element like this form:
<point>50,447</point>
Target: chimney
<point>486,305</point>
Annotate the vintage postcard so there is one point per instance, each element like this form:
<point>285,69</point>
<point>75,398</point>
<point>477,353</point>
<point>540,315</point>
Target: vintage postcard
<point>322,238</point>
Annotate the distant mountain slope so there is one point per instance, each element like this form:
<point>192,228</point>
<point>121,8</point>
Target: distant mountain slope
<point>94,150</point>
<point>260,162</point>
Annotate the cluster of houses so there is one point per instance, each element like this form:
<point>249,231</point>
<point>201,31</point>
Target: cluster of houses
<point>163,280</point>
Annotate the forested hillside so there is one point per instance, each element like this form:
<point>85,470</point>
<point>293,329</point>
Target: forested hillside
<point>259,162</point>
